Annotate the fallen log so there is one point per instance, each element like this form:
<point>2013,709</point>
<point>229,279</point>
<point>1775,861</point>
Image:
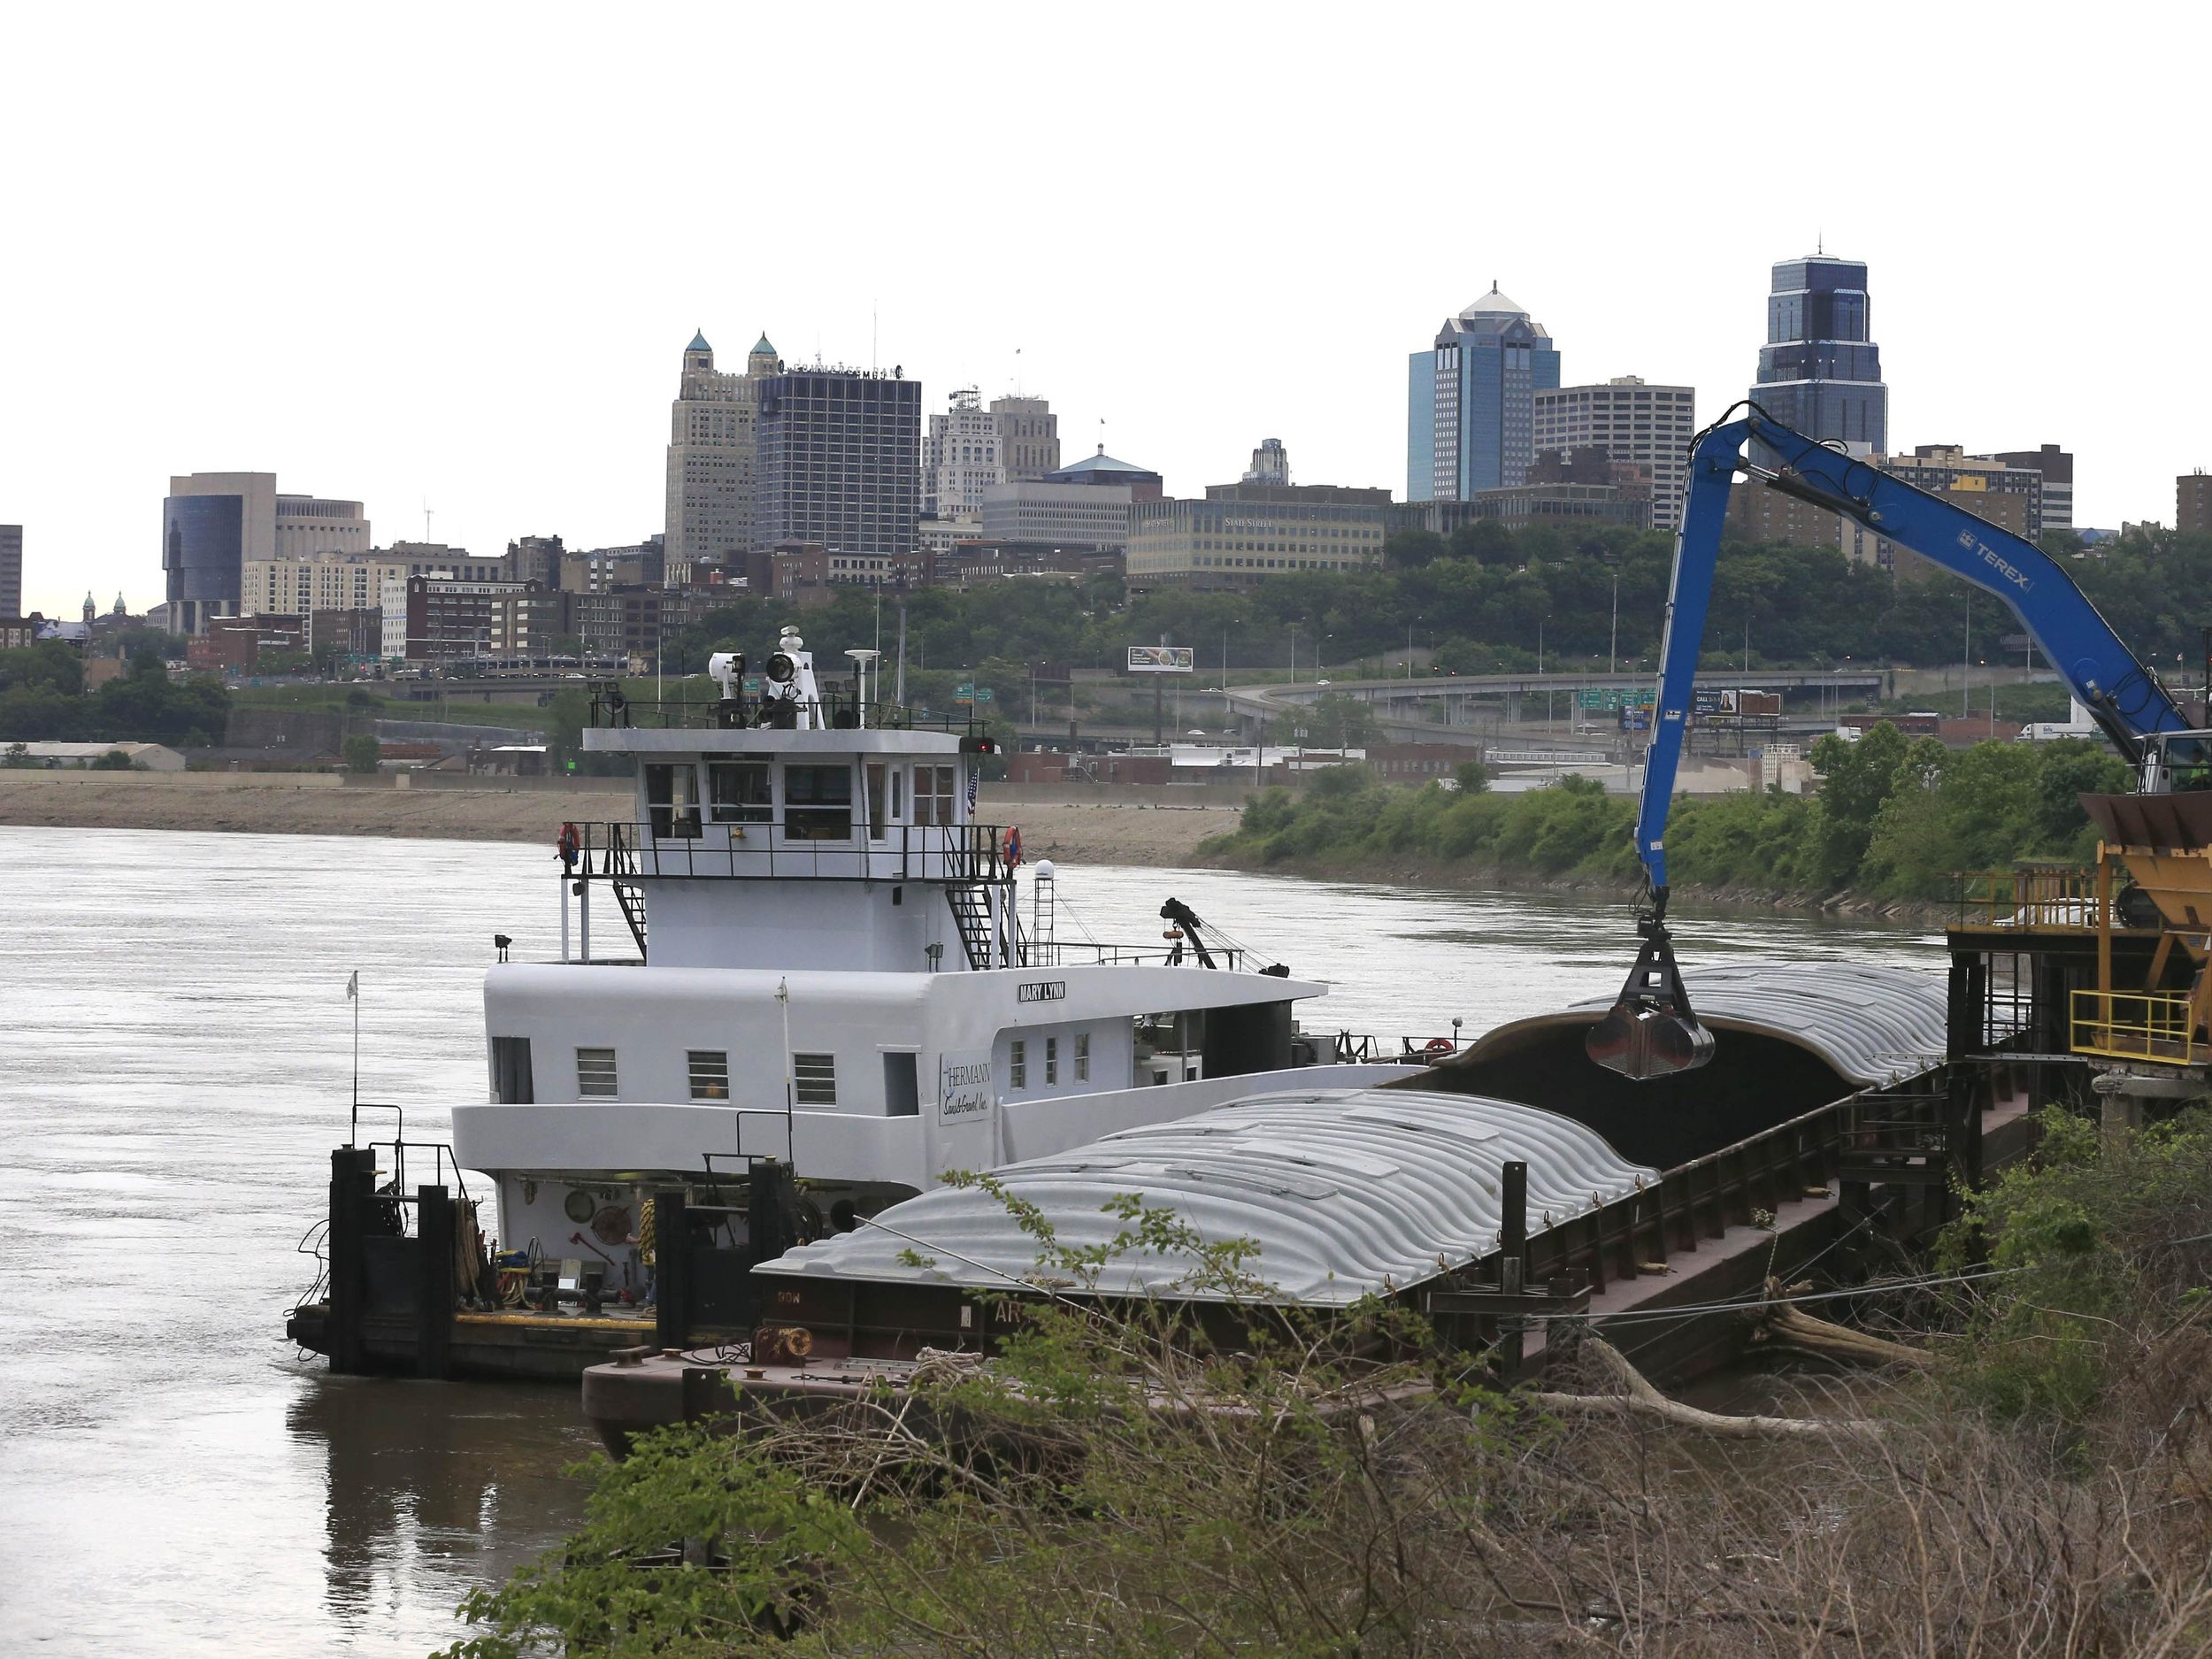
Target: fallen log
<point>1779,1322</point>
<point>1637,1398</point>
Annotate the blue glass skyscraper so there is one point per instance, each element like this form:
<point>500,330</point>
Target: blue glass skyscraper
<point>1820,371</point>
<point>1470,401</point>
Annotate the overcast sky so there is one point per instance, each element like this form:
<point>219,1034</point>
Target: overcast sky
<point>452,255</point>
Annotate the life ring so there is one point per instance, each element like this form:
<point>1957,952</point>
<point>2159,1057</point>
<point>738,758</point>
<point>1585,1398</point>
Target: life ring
<point>1437,1048</point>
<point>566,845</point>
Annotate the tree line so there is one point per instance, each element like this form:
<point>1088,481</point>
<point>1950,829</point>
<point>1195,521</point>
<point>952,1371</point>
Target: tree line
<point>1894,819</point>
<point>1488,600</point>
<point>42,700</point>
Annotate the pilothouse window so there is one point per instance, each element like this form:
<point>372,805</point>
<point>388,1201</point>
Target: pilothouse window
<point>737,792</point>
<point>817,804</point>
<point>672,797</point>
<point>933,788</point>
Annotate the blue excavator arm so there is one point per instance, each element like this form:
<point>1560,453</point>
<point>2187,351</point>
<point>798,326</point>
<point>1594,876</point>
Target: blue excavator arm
<point>1652,1031</point>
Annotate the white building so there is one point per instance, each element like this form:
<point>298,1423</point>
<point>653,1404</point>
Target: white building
<point>1630,421</point>
<point>710,455</point>
<point>969,448</point>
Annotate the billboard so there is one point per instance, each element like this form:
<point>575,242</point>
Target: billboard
<point>1163,659</point>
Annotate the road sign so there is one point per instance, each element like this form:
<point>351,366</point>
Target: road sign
<point>1163,659</point>
<point>971,694</point>
<point>1611,698</point>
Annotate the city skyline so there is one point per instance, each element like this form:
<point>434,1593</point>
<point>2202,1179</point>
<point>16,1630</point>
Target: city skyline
<point>504,354</point>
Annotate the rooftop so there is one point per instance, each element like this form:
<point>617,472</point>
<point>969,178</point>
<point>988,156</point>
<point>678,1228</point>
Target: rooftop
<point>699,342</point>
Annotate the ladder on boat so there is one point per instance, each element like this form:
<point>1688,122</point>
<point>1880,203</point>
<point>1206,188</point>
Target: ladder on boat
<point>621,862</point>
<point>972,914</point>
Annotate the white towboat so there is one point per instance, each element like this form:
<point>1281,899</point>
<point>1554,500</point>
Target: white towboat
<point>832,971</point>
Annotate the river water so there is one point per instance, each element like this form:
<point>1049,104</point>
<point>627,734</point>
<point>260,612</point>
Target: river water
<point>177,1480</point>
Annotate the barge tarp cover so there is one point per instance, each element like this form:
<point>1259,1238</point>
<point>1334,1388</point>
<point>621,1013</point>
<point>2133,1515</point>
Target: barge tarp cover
<point>1789,1037</point>
<point>1345,1192</point>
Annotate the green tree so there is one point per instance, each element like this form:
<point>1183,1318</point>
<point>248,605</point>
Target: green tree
<point>362,752</point>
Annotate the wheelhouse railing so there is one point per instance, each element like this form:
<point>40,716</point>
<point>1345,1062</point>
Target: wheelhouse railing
<point>681,843</point>
<point>833,708</point>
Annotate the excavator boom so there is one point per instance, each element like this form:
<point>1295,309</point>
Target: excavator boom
<point>1652,1031</point>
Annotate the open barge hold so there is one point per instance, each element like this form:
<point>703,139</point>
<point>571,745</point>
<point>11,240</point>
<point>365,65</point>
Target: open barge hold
<point>1841,1102</point>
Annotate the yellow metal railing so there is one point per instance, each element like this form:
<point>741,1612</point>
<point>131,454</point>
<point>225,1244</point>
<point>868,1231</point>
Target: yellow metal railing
<point>2035,900</point>
<point>2155,1026</point>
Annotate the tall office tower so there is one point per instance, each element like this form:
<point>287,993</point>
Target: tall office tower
<point>11,570</point>
<point>2192,503</point>
<point>970,448</point>
<point>839,460</point>
<point>1820,371</point>
<point>1630,421</point>
<point>1470,401</point>
<point>711,454</point>
<point>213,523</point>
<point>2057,467</point>
<point>1271,463</point>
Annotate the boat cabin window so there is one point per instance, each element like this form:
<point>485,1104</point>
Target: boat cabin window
<point>817,804</point>
<point>1082,1057</point>
<point>595,1073</point>
<point>672,801</point>
<point>901,1085</point>
<point>933,788</point>
<point>1017,1065</point>
<point>738,792</point>
<point>1052,1061</point>
<point>875,775</point>
<point>814,1080</point>
<point>709,1070</point>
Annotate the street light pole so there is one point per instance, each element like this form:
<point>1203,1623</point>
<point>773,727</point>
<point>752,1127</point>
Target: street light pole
<point>1613,652</point>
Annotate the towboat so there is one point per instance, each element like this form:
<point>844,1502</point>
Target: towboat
<point>800,984</point>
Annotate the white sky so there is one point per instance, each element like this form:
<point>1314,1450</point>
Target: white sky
<point>454,253</point>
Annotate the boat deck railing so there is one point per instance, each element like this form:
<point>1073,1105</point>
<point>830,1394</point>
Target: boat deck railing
<point>833,708</point>
<point>689,843</point>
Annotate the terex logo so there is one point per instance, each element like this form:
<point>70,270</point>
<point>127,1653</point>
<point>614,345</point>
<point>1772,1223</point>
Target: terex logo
<point>1995,560</point>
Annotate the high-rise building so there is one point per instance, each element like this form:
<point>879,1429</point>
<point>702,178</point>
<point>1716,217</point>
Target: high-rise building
<point>1820,371</point>
<point>2192,503</point>
<point>2057,467</point>
<point>1271,463</point>
<point>710,455</point>
<point>838,460</point>
<point>213,523</point>
<point>970,448</point>
<point>11,570</point>
<point>1645,426</point>
<point>1470,401</point>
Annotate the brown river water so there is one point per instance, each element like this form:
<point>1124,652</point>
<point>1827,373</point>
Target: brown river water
<point>176,1479</point>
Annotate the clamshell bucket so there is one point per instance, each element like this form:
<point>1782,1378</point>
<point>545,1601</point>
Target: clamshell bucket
<point>1651,1031</point>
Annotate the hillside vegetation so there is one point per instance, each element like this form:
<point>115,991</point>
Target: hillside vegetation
<point>1893,820</point>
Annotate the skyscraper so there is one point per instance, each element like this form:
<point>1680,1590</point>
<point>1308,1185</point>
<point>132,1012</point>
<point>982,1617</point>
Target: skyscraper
<point>11,570</point>
<point>1629,421</point>
<point>1820,371</point>
<point>839,460</point>
<point>212,523</point>
<point>710,453</point>
<point>1469,401</point>
<point>971,447</point>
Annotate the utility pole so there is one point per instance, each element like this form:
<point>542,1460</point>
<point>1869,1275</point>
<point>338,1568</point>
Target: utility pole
<point>1966,662</point>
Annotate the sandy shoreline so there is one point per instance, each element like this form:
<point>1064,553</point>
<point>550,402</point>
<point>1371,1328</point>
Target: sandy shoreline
<point>319,803</point>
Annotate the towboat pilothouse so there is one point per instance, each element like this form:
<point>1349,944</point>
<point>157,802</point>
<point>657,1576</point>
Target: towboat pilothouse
<point>804,979</point>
